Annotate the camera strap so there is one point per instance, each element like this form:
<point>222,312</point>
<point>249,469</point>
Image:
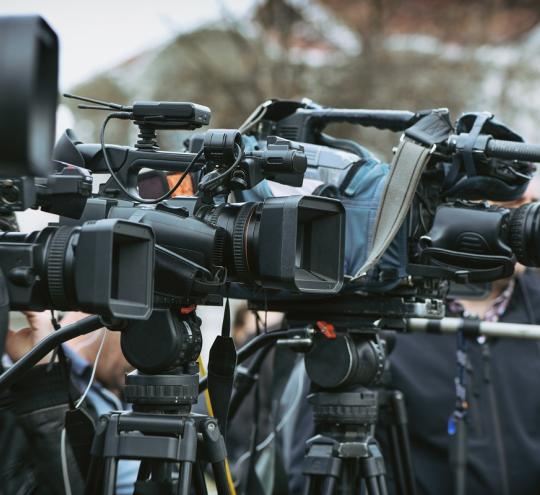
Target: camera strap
<point>457,423</point>
<point>221,367</point>
<point>407,166</point>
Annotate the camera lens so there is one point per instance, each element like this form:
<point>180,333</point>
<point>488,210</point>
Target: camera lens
<point>525,234</point>
<point>240,221</point>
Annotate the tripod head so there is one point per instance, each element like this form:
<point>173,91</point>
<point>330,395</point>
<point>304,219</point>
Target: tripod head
<point>341,359</point>
<point>164,350</point>
<point>344,364</point>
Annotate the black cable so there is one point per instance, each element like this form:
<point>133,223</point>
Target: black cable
<point>248,380</point>
<point>62,359</point>
<point>134,197</point>
<point>46,345</point>
<point>218,178</point>
<point>252,347</point>
<point>251,476</point>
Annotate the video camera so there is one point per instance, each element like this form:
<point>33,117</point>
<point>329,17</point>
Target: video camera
<point>291,244</point>
<point>429,223</point>
<point>59,267</point>
<point>145,262</point>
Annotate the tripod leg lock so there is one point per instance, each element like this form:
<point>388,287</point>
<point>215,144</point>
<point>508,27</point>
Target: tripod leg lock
<point>374,464</point>
<point>320,461</point>
<point>214,445</point>
<point>100,435</point>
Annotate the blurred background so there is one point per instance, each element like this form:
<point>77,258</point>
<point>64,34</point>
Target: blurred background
<point>233,54</point>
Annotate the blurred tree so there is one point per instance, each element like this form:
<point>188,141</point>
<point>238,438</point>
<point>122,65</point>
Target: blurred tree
<point>283,52</point>
<point>461,21</point>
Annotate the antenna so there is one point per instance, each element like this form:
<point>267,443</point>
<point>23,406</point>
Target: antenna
<point>100,105</point>
<point>92,107</point>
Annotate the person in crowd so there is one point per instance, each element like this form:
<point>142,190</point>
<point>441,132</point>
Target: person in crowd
<point>102,393</point>
<point>32,414</point>
<point>105,392</point>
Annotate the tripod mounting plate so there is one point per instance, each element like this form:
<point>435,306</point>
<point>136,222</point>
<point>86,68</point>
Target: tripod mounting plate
<point>356,408</point>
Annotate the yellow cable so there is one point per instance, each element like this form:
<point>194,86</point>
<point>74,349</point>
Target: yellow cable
<point>208,402</point>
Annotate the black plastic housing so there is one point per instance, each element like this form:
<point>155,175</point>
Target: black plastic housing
<point>171,114</point>
<point>293,120</point>
<point>28,95</point>
<point>480,242</point>
<point>104,267</point>
<point>190,252</point>
<point>471,229</point>
<point>293,243</point>
<point>301,244</point>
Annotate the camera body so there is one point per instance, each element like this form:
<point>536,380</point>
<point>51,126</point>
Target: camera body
<point>28,92</point>
<point>292,244</point>
<point>447,237</point>
<point>89,267</point>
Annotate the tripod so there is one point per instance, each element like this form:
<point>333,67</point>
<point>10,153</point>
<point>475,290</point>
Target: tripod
<point>344,454</point>
<point>173,444</point>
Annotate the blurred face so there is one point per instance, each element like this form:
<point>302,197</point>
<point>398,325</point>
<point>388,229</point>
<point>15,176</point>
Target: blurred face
<point>112,365</point>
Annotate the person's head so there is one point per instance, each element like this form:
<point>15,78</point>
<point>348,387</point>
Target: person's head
<point>112,366</point>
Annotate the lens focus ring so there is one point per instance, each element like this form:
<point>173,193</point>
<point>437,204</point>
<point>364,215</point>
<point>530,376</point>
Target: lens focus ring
<point>239,238</point>
<point>55,265</point>
<point>525,234</point>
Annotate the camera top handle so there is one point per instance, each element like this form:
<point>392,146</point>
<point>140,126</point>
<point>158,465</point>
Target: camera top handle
<point>304,121</point>
<point>392,120</point>
<point>505,150</point>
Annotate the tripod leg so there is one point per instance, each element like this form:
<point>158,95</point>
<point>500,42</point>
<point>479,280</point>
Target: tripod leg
<point>400,420</point>
<point>460,457</point>
<point>308,484</point>
<point>330,487</point>
<point>109,483</point>
<point>372,486</point>
<point>382,485</point>
<point>184,478</point>
<point>198,480</point>
<point>217,453</point>
<point>374,471</point>
<point>397,461</point>
<point>220,477</point>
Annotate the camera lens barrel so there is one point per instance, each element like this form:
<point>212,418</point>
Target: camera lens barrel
<point>102,267</point>
<point>290,243</point>
<point>525,233</point>
<point>239,222</point>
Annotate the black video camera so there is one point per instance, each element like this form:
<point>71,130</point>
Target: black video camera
<point>89,267</point>
<point>289,244</point>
